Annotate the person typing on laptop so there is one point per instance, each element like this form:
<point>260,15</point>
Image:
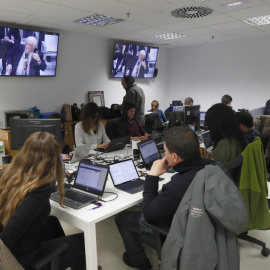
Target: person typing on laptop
<point>129,126</point>
<point>181,147</point>
<point>90,130</point>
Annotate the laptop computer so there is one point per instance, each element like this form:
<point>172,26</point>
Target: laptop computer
<point>149,152</point>
<point>89,185</point>
<point>80,152</point>
<point>202,118</point>
<point>115,144</point>
<point>208,144</point>
<point>125,176</point>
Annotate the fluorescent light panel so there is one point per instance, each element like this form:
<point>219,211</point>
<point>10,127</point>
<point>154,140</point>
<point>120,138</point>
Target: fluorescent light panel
<point>256,21</point>
<point>98,20</point>
<point>169,36</point>
<point>233,4</point>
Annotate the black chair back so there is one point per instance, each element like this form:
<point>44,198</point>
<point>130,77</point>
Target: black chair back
<point>111,128</point>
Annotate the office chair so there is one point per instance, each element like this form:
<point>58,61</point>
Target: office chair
<point>153,122</point>
<point>48,255</point>
<point>253,186</point>
<point>111,128</point>
<point>265,141</point>
<point>176,119</point>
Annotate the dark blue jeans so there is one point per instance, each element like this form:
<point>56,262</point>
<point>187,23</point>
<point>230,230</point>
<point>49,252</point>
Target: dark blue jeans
<point>130,227</point>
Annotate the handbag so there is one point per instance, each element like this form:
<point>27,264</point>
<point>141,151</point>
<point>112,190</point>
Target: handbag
<point>66,112</point>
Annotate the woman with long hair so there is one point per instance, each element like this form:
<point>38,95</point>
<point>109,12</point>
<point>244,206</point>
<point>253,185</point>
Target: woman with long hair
<point>129,126</point>
<point>90,130</point>
<point>25,189</point>
<point>227,137</point>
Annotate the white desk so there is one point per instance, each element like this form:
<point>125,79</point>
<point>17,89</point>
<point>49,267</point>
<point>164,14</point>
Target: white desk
<point>86,218</point>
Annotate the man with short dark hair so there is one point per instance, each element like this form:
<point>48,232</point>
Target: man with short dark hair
<point>227,100</point>
<point>181,147</point>
<point>188,101</point>
<point>245,121</point>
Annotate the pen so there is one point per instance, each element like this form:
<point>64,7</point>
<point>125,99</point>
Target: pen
<point>96,207</point>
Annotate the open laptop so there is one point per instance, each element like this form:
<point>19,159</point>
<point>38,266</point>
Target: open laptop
<point>89,185</point>
<point>115,144</point>
<point>125,176</point>
<point>80,152</point>
<point>149,152</point>
<point>208,144</point>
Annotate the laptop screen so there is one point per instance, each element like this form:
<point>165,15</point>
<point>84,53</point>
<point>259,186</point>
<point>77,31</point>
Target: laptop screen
<point>207,140</point>
<point>149,151</point>
<point>91,178</point>
<point>123,171</point>
<point>202,116</point>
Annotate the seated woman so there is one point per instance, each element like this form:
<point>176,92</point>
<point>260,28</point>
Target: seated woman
<point>90,130</point>
<point>66,152</point>
<point>129,126</point>
<point>155,108</point>
<point>25,189</point>
<point>227,137</point>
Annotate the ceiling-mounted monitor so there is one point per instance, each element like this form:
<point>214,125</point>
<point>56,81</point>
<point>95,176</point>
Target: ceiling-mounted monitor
<point>136,60</point>
<point>26,52</point>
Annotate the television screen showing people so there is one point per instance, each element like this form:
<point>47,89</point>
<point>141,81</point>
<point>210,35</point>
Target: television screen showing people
<point>138,61</point>
<point>27,52</point>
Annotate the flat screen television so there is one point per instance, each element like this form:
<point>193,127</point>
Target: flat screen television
<point>138,61</point>
<point>25,52</point>
<point>192,116</point>
<point>21,129</point>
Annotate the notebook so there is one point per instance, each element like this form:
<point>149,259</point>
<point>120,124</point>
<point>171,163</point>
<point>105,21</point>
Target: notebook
<point>149,152</point>
<point>79,153</point>
<point>115,144</point>
<point>89,183</point>
<point>125,176</point>
<point>208,144</point>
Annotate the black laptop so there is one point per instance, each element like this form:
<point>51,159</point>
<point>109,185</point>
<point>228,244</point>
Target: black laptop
<point>88,186</point>
<point>115,144</point>
<point>125,176</point>
<point>149,152</point>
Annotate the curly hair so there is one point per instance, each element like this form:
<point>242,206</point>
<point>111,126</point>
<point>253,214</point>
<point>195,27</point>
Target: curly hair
<point>38,163</point>
<point>90,116</point>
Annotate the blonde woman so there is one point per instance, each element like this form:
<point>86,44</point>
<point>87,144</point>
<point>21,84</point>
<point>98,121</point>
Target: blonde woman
<point>25,188</point>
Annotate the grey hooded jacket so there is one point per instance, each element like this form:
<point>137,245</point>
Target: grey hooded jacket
<point>204,227</point>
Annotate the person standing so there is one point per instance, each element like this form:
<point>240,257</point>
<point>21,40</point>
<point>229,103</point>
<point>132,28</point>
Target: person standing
<point>134,94</point>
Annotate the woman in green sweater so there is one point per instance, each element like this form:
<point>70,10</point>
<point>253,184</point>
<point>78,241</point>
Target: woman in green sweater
<point>228,139</point>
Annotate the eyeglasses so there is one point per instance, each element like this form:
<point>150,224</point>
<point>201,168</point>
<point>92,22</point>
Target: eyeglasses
<point>155,106</point>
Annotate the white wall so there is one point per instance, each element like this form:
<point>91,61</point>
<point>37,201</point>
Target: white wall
<point>206,73</point>
<point>83,65</point>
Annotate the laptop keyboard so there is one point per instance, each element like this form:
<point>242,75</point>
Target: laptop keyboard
<point>133,184</point>
<point>78,197</point>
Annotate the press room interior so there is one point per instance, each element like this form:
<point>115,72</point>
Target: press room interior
<point>205,72</point>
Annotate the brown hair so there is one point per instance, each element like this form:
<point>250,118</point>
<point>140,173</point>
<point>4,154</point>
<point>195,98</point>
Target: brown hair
<point>38,163</point>
<point>90,112</point>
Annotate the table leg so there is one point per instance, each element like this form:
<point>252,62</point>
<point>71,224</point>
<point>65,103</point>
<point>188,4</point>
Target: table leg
<point>90,243</point>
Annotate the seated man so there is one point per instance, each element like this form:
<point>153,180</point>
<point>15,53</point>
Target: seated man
<point>188,101</point>
<point>181,147</point>
<point>245,121</point>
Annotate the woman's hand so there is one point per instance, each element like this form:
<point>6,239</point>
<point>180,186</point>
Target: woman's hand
<point>145,137</point>
<point>65,157</point>
<point>103,145</point>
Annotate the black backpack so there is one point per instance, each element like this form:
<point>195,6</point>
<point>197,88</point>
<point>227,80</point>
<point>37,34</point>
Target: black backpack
<point>76,112</point>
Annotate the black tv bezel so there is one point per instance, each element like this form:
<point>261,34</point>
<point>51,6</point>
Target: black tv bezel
<point>35,30</point>
<point>137,44</point>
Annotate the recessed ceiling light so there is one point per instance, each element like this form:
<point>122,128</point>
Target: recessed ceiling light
<point>256,21</point>
<point>98,20</point>
<point>191,12</point>
<point>199,1</point>
<point>234,3</point>
<point>168,36</point>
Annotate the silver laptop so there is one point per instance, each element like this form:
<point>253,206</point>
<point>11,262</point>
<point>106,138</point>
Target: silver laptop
<point>125,176</point>
<point>80,152</point>
<point>208,144</point>
<point>88,186</point>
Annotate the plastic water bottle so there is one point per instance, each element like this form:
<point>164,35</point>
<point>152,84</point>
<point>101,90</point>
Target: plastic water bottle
<point>2,151</point>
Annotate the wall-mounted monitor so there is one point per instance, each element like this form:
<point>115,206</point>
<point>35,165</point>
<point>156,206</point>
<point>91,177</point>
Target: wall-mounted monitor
<point>25,52</point>
<point>136,60</point>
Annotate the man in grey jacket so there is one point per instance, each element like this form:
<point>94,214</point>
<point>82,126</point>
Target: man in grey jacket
<point>134,94</point>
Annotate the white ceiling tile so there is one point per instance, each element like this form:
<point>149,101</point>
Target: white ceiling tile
<point>230,26</point>
<point>250,12</point>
